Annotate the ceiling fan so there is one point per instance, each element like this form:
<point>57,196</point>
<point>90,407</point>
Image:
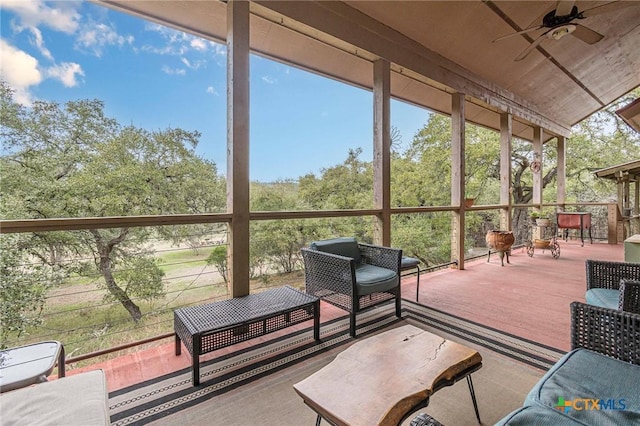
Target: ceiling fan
<point>560,23</point>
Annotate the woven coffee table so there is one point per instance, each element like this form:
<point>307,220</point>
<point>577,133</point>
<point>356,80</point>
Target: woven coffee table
<point>205,328</point>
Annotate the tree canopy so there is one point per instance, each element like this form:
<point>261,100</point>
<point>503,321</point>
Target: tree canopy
<point>65,161</point>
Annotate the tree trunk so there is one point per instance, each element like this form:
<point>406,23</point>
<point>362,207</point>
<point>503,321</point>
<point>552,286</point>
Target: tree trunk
<point>105,250</point>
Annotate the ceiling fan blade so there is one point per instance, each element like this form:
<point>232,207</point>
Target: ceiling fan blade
<point>586,34</point>
<point>564,7</point>
<point>527,30</point>
<point>532,46</point>
<point>606,8</point>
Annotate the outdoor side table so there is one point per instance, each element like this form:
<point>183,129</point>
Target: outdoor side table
<point>574,220</point>
<point>26,365</point>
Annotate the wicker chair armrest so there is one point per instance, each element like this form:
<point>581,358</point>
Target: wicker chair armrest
<point>328,272</point>
<point>384,257</point>
<point>606,274</point>
<point>629,296</point>
<point>607,331</point>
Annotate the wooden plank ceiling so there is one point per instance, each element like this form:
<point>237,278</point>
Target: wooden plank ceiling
<point>440,47</point>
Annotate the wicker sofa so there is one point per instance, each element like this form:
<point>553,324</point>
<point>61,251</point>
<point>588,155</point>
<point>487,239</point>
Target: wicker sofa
<point>614,285</point>
<point>597,382</point>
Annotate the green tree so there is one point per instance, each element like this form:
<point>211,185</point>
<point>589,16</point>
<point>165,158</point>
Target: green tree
<point>277,243</point>
<point>345,186</point>
<point>73,161</point>
<point>600,141</point>
<point>22,295</point>
<point>218,258</point>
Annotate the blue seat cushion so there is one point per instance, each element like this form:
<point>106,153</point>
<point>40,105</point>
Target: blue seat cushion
<point>344,246</point>
<point>581,377</point>
<point>603,297</point>
<point>372,279</point>
<point>533,415</point>
<point>409,262</point>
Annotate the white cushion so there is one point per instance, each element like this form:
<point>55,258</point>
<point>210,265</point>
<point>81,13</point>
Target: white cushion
<point>80,399</point>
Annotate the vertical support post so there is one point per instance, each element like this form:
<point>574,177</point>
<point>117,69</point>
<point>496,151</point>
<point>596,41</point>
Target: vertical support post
<point>627,203</point>
<point>636,203</point>
<point>382,151</point>
<point>457,178</point>
<point>620,188</point>
<point>627,191</point>
<point>238,145</point>
<point>506,131</point>
<point>561,175</point>
<point>636,197</point>
<point>612,223</point>
<point>537,176</point>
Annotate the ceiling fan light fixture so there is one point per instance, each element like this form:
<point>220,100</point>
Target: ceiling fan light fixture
<point>558,33</point>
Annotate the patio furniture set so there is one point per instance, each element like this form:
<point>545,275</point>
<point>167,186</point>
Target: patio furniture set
<point>603,365</point>
<point>598,381</point>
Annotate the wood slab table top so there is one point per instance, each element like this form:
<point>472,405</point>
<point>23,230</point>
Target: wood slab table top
<point>382,378</point>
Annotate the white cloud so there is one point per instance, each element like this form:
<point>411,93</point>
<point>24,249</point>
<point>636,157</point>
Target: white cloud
<point>192,64</point>
<point>60,16</point>
<point>20,70</point>
<point>269,80</point>
<point>39,43</point>
<point>194,52</point>
<point>212,91</point>
<point>94,37</point>
<point>173,71</point>
<point>219,49</point>
<point>67,73</point>
<point>198,44</point>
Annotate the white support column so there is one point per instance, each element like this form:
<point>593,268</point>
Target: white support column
<point>561,175</point>
<point>238,145</point>
<point>506,131</point>
<point>457,178</point>
<point>537,175</point>
<point>382,150</point>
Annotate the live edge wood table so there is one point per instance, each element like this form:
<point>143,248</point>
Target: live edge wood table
<point>383,379</point>
<point>205,328</point>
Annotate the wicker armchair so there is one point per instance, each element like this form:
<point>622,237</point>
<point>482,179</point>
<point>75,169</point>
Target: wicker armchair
<point>352,276</point>
<point>609,332</point>
<point>604,285</point>
<point>629,296</point>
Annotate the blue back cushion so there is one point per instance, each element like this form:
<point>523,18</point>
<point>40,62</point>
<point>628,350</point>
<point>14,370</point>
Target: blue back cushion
<point>344,246</point>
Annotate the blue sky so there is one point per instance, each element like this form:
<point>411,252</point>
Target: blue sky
<point>155,78</point>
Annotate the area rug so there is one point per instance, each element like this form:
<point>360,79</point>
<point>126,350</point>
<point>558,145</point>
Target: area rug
<point>255,385</point>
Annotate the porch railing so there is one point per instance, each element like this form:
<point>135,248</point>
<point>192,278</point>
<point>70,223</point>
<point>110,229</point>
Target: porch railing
<point>80,311</point>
